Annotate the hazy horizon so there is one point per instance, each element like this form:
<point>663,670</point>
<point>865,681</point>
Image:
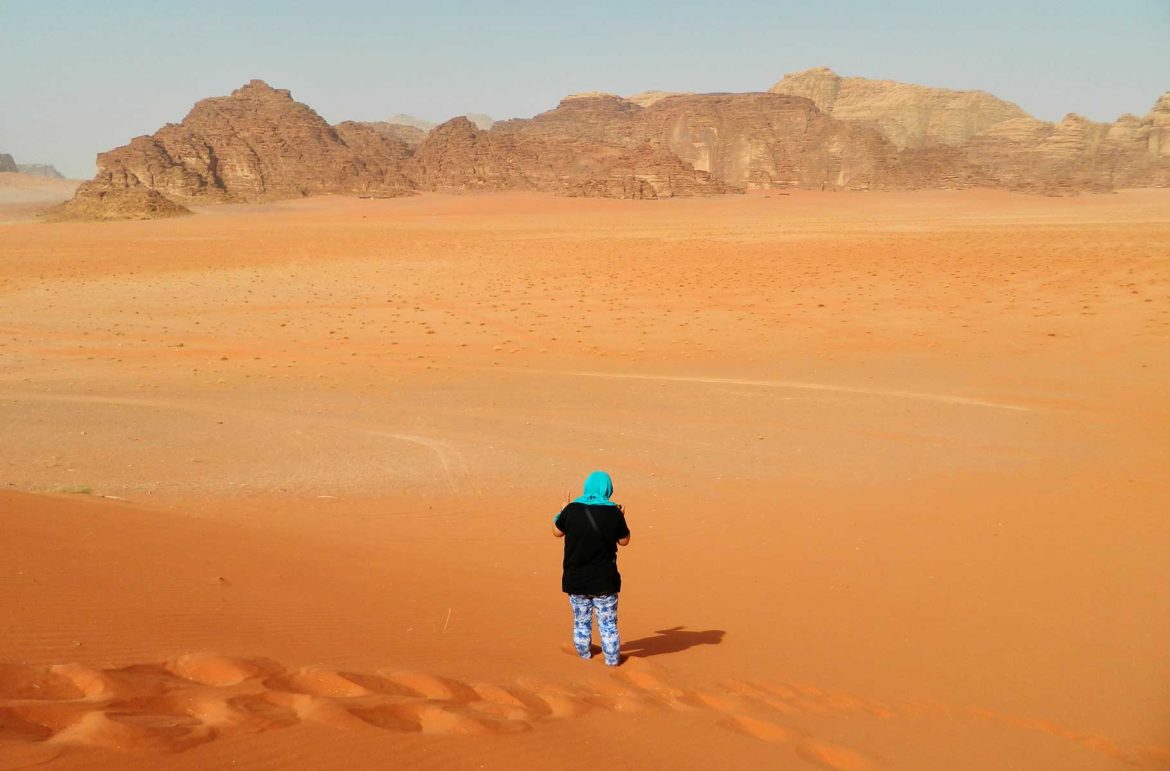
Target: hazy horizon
<point>90,78</point>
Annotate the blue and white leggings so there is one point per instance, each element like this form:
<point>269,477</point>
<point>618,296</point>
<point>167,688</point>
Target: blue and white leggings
<point>605,606</point>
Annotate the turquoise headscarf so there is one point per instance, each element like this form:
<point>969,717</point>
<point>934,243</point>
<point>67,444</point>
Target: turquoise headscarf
<point>598,488</point>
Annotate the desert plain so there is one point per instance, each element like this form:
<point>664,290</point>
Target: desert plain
<point>276,482</point>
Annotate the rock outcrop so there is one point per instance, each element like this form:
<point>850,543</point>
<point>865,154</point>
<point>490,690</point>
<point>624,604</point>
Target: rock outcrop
<point>908,115</point>
<point>7,163</point>
<point>255,145</point>
<point>129,200</point>
<point>39,170</point>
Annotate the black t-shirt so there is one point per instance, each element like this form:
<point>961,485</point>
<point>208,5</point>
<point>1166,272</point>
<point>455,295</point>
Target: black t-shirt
<point>591,555</point>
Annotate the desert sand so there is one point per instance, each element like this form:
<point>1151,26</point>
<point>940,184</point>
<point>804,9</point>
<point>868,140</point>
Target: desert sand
<point>23,196</point>
<point>276,483</point>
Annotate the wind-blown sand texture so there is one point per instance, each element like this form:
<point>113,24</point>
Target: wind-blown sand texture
<point>24,196</point>
<point>895,466</point>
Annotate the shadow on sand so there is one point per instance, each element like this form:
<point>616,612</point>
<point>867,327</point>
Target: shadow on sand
<point>670,640</point>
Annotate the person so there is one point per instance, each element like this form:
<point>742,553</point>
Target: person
<point>593,527</point>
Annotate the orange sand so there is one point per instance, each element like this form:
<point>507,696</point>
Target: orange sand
<point>895,466</point>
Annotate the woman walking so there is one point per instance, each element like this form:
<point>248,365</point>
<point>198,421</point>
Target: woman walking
<point>593,527</point>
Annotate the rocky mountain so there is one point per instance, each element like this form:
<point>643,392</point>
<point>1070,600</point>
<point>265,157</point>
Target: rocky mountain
<point>581,148</point>
<point>1076,154</point>
<point>908,115</point>
<point>259,144</point>
<point>699,144</point>
<point>39,170</point>
<point>7,163</point>
<point>255,145</point>
<point>994,142</point>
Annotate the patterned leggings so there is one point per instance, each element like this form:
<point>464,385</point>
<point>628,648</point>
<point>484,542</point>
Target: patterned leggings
<point>605,605</point>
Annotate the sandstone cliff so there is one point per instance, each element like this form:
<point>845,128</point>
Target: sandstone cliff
<point>908,115</point>
<point>1076,154</point>
<point>767,140</point>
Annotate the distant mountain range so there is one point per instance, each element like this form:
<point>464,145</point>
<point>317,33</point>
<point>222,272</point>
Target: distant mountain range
<point>481,121</point>
<point>8,164</point>
<point>812,130</point>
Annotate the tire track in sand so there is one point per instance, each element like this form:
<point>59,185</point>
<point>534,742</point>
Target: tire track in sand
<point>455,471</point>
<point>781,384</point>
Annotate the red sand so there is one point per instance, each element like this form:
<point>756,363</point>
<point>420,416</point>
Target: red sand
<point>895,466</point>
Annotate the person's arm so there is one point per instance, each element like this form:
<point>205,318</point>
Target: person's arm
<point>556,531</point>
<point>625,539</point>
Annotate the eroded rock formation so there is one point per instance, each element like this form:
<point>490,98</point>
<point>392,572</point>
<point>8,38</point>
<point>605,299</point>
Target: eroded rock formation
<point>255,145</point>
<point>7,163</point>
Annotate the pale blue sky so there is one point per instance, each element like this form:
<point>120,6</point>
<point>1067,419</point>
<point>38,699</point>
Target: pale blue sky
<point>77,78</point>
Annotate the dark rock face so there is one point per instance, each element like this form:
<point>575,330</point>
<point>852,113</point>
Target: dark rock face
<point>7,164</point>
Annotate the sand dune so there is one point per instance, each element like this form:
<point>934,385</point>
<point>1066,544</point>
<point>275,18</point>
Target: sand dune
<point>895,465</point>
